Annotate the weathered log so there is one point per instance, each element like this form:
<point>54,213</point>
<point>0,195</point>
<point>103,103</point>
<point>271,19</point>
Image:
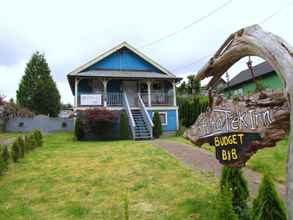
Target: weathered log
<point>253,41</point>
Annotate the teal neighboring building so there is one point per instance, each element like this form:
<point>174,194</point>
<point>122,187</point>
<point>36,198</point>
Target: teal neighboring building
<point>243,83</point>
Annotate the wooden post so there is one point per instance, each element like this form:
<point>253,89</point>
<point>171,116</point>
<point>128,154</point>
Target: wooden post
<point>149,93</point>
<point>76,81</point>
<point>174,92</point>
<point>105,83</point>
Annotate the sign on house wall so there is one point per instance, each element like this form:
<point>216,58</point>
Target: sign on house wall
<point>91,99</point>
<point>238,128</point>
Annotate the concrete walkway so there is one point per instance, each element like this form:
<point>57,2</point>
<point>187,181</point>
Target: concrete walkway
<point>200,159</point>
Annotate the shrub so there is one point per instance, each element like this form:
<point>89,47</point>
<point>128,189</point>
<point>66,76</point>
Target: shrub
<point>38,137</point>
<point>232,179</point>
<point>190,108</point>
<point>15,151</point>
<point>31,142</point>
<point>21,146</point>
<point>2,163</point>
<point>100,121</point>
<point>5,154</point>
<point>224,206</point>
<point>157,129</point>
<point>124,132</point>
<point>78,130</point>
<point>267,205</point>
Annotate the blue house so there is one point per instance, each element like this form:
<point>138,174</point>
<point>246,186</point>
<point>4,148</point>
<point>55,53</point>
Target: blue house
<point>125,79</point>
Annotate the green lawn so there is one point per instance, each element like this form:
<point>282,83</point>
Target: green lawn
<point>8,136</point>
<point>268,160</point>
<point>66,179</point>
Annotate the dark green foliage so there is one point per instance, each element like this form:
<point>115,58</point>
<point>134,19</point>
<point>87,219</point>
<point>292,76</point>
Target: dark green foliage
<point>2,163</point>
<point>78,129</point>
<point>267,205</point>
<point>124,131</point>
<point>190,108</point>
<point>225,209</point>
<point>157,129</point>
<point>232,178</point>
<point>38,137</point>
<point>30,142</point>
<point>5,154</point>
<point>21,146</point>
<point>37,90</point>
<point>15,151</point>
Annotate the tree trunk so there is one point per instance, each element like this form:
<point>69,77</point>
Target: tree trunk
<point>253,41</point>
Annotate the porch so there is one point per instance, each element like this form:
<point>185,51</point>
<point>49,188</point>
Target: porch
<point>102,92</point>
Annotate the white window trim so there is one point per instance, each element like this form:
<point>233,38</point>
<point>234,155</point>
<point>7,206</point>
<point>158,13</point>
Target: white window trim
<point>166,117</point>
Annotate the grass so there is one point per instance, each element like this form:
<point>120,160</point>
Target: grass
<point>66,179</point>
<point>271,161</point>
<point>8,136</point>
<point>268,160</point>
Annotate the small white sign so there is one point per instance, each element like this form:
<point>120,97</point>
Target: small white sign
<point>91,99</point>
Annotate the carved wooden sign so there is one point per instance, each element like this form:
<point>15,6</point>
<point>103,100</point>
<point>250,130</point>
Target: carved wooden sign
<point>238,128</point>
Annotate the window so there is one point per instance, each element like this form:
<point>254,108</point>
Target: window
<point>163,118</point>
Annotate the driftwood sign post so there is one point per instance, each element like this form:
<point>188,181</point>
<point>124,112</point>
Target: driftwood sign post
<point>253,41</point>
<point>238,128</point>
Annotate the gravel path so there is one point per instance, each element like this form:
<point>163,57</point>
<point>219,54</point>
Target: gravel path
<point>200,159</point>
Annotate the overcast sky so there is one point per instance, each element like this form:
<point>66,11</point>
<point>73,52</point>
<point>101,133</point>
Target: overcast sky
<point>72,32</point>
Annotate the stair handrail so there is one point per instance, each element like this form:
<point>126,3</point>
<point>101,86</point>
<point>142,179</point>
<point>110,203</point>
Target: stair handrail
<point>129,114</point>
<point>147,118</point>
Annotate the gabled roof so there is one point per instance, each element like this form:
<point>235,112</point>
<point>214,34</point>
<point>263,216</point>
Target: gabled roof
<point>77,71</point>
<point>245,75</point>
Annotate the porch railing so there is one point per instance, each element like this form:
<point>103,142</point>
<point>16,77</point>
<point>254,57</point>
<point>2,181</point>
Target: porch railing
<point>158,98</point>
<point>114,99</point>
<point>146,116</point>
<point>161,98</point>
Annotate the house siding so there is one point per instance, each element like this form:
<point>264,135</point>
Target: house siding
<point>123,59</point>
<point>171,119</point>
<point>269,81</point>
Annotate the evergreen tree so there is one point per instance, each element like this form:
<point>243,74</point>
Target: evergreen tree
<point>78,130</point>
<point>37,90</point>
<point>124,132</point>
<point>15,151</point>
<point>157,129</point>
<point>21,146</point>
<point>5,155</point>
<point>225,209</point>
<point>232,178</point>
<point>267,205</point>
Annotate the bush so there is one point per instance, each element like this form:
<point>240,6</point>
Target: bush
<point>78,130</point>
<point>157,129</point>
<point>21,145</point>
<point>124,131</point>
<point>2,163</point>
<point>15,152</point>
<point>30,142</point>
<point>100,121</point>
<point>190,108</point>
<point>38,137</point>
<point>232,179</point>
<point>225,209</point>
<point>267,205</point>
<point>5,154</point>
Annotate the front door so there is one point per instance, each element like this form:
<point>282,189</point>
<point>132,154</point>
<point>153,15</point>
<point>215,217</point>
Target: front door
<point>130,88</point>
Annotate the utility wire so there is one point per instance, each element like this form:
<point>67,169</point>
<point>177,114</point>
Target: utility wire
<point>262,22</point>
<point>276,12</point>
<point>187,26</point>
